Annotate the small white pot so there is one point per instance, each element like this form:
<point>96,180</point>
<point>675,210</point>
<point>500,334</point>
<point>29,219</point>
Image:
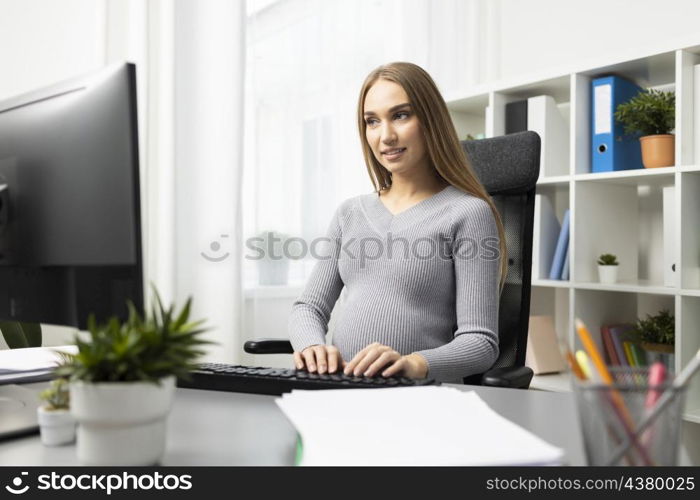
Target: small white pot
<point>57,426</point>
<point>121,423</point>
<point>607,274</point>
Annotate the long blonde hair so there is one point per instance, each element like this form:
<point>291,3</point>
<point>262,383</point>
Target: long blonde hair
<point>446,153</point>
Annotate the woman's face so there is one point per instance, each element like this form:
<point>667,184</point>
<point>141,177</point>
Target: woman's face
<point>391,125</point>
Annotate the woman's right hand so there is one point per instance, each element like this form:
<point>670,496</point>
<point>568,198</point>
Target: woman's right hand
<point>321,358</point>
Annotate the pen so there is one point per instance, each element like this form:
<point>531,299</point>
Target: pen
<point>583,363</point>
<point>616,399</point>
<point>657,375</point>
<point>575,367</point>
<point>680,381</point>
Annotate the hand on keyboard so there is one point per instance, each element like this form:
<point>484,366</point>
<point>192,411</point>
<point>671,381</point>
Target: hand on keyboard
<point>381,359</point>
<point>319,358</point>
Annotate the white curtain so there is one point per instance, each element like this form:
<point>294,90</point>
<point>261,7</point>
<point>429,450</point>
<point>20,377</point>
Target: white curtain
<point>190,63</point>
<point>306,61</point>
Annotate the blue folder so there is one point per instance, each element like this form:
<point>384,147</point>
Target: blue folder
<point>611,149</point>
<point>562,246</point>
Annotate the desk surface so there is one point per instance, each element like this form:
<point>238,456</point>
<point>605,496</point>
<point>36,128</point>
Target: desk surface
<point>224,428</point>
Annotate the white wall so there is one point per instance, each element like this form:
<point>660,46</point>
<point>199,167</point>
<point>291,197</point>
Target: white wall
<point>539,34</point>
<point>44,41</point>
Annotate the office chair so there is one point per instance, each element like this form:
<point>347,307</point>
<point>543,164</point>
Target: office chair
<point>508,167</point>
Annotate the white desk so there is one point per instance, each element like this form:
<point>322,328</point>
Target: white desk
<point>225,428</point>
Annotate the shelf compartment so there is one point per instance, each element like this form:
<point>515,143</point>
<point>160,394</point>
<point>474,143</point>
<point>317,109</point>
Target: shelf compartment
<point>599,307</point>
<point>625,220</point>
<point>687,344</point>
<point>551,198</point>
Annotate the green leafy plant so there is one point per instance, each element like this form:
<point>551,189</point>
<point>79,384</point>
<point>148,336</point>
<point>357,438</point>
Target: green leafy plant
<point>18,335</point>
<point>162,344</point>
<point>650,112</point>
<point>608,259</point>
<point>57,396</point>
<point>657,329</point>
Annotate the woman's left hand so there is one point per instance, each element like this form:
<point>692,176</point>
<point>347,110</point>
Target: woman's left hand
<point>377,358</point>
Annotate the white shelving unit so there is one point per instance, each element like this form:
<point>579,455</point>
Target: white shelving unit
<point>616,212</point>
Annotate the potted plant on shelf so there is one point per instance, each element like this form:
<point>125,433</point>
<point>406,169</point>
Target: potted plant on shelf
<point>56,424</point>
<point>607,268</point>
<point>657,333</point>
<point>651,113</point>
<point>122,381</point>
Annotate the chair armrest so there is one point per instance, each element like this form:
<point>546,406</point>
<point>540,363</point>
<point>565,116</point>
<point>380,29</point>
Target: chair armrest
<point>515,377</point>
<point>268,346</point>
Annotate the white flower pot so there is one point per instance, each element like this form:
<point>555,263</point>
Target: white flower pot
<point>121,423</point>
<point>607,274</point>
<point>57,426</point>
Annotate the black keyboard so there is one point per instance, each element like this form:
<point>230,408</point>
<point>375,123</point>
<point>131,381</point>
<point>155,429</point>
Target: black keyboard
<point>261,380</point>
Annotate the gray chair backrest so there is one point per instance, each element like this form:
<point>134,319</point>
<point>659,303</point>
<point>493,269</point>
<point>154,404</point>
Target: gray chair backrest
<point>508,167</point>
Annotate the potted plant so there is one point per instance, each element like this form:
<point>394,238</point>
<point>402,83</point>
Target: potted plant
<point>56,424</point>
<point>657,333</point>
<point>651,113</point>
<point>275,250</point>
<point>122,381</point>
<point>607,268</point>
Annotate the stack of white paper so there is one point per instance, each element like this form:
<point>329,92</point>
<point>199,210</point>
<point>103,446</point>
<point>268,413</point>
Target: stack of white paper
<point>409,426</point>
<point>20,364</point>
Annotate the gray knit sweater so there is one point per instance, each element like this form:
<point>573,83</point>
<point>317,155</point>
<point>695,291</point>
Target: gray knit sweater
<point>424,281</point>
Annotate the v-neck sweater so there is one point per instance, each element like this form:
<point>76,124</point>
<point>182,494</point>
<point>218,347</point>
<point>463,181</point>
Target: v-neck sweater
<point>424,280</point>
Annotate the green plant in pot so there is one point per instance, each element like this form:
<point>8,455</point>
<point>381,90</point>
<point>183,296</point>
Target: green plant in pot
<point>657,333</point>
<point>122,381</point>
<point>56,423</point>
<point>651,113</point>
<point>607,268</point>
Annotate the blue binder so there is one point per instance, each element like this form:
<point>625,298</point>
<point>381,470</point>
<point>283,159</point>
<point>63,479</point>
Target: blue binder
<point>611,149</point>
<point>562,246</point>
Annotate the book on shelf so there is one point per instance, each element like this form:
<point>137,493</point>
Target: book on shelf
<point>516,116</point>
<point>560,251</point>
<point>565,268</point>
<point>639,354</point>
<point>545,232</point>
<point>609,347</point>
<point>619,333</point>
<point>544,117</point>
<point>627,346</point>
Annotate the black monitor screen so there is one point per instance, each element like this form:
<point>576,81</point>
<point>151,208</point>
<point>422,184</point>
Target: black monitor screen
<point>70,232</point>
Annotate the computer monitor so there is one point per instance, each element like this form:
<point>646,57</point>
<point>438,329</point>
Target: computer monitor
<point>70,217</point>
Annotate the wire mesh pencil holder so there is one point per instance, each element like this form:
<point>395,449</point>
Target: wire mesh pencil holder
<point>630,422</point>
